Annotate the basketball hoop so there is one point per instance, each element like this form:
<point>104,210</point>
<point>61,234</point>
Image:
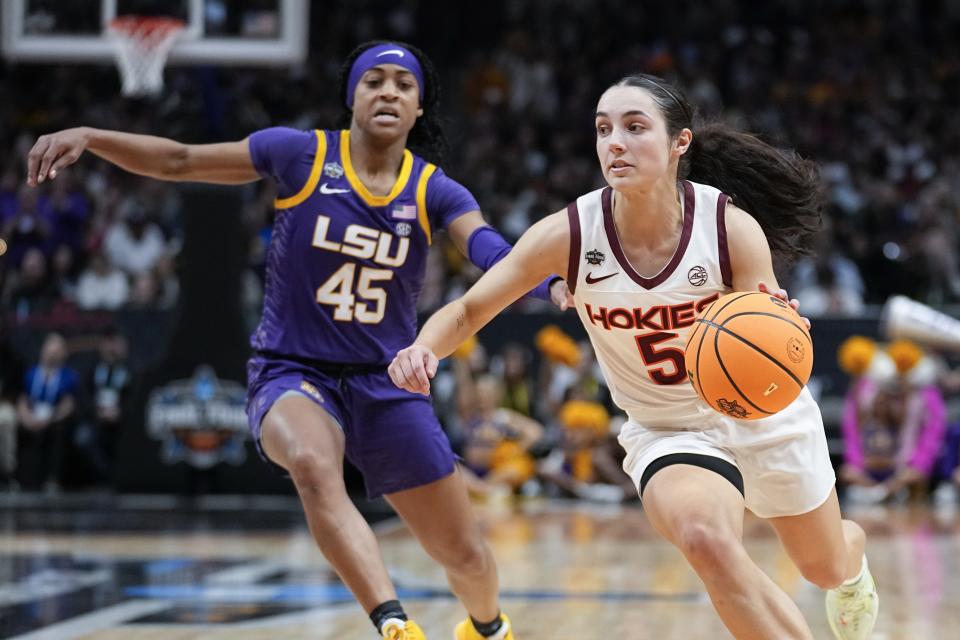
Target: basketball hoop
<point>141,45</point>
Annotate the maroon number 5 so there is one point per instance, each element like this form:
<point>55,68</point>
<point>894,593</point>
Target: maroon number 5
<point>652,356</point>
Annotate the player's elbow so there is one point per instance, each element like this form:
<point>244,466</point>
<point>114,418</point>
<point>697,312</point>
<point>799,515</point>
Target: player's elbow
<point>469,316</point>
<point>177,164</point>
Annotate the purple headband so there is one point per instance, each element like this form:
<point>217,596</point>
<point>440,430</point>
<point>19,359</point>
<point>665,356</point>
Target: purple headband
<point>388,53</point>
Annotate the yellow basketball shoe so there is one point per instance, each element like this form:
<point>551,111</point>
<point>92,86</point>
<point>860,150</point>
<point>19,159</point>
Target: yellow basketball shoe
<point>466,631</point>
<point>396,629</point>
<point>852,609</point>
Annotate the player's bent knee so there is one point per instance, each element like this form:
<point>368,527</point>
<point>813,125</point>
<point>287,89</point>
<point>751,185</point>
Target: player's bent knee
<point>312,470</point>
<point>708,547</point>
<point>464,558</point>
<point>853,534</point>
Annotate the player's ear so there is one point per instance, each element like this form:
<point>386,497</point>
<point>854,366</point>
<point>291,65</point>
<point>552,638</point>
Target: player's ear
<point>683,140</point>
<point>419,112</point>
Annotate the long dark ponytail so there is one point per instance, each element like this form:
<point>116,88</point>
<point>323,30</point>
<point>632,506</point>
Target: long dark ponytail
<point>427,138</point>
<point>780,189</point>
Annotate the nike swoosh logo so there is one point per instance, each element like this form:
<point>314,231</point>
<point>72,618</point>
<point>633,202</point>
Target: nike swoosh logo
<point>591,280</point>
<point>324,189</point>
<point>396,52</point>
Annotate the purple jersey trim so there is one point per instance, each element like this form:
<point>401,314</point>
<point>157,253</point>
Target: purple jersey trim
<point>725,271</point>
<point>690,202</point>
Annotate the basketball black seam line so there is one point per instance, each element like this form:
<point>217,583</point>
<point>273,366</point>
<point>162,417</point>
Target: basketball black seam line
<point>777,317</point>
<point>700,346</point>
<point>693,335</point>
<point>772,315</point>
<point>755,347</point>
<point>730,302</point>
<point>750,293</point>
<point>703,337</point>
<point>723,367</point>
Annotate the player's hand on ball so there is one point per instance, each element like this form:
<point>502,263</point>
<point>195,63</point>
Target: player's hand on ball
<point>413,367</point>
<point>53,152</point>
<point>782,294</point>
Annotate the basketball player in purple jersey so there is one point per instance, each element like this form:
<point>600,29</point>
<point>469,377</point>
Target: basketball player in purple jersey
<point>356,214</point>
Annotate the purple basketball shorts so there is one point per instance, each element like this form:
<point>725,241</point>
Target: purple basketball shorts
<point>392,436</point>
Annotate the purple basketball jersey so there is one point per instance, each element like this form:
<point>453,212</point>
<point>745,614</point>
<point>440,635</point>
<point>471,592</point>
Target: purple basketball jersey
<point>345,267</point>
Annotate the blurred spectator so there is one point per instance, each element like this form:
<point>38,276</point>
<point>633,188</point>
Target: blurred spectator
<point>825,296</point>
<point>575,375</point>
<point>146,292</point>
<point>31,289</point>
<point>107,387</point>
<point>101,285</point>
<point>63,273</point>
<point>582,465</point>
<point>134,243</point>
<point>497,441</point>
<point>168,284</point>
<point>517,384</point>
<point>66,208</point>
<point>45,411</point>
<point>26,229</point>
<point>9,183</point>
<point>828,283</point>
<point>949,489</point>
<point>561,358</point>
<point>10,376</point>
<point>894,420</point>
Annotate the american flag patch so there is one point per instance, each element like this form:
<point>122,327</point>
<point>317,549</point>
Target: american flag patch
<point>405,212</point>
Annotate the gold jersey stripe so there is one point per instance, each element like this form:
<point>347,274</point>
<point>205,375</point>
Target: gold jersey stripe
<point>422,200</point>
<point>361,189</point>
<point>310,187</point>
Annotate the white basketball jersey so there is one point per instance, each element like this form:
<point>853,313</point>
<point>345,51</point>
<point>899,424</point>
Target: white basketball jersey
<point>639,325</point>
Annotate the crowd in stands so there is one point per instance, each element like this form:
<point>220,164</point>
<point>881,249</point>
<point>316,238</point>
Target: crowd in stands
<point>871,90</point>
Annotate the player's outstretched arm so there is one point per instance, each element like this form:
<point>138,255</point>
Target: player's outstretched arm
<point>152,156</point>
<point>484,246</point>
<point>542,250</point>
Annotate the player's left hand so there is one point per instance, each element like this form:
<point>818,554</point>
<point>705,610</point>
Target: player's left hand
<point>560,295</point>
<point>412,369</point>
<point>782,294</point>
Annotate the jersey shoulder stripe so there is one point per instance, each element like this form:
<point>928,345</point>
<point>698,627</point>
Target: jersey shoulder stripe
<point>312,180</point>
<point>422,216</point>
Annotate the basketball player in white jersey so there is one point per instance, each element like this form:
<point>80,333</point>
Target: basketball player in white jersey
<point>642,256</point>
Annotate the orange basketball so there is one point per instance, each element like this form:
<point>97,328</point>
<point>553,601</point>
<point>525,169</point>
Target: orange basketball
<point>749,355</point>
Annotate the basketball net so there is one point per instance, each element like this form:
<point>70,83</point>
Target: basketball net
<point>141,45</point>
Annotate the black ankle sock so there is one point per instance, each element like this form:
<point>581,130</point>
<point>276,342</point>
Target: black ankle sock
<point>385,611</point>
<point>489,628</point>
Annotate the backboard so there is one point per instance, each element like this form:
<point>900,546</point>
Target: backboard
<point>223,32</point>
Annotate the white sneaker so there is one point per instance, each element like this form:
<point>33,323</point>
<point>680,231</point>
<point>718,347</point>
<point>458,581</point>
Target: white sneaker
<point>852,610</point>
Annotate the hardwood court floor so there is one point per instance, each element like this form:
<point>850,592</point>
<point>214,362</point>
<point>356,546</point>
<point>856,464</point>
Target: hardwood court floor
<point>568,570</point>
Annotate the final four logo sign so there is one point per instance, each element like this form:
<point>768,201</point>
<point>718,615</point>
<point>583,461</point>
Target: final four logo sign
<point>332,170</point>
<point>594,257</point>
<point>200,421</point>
